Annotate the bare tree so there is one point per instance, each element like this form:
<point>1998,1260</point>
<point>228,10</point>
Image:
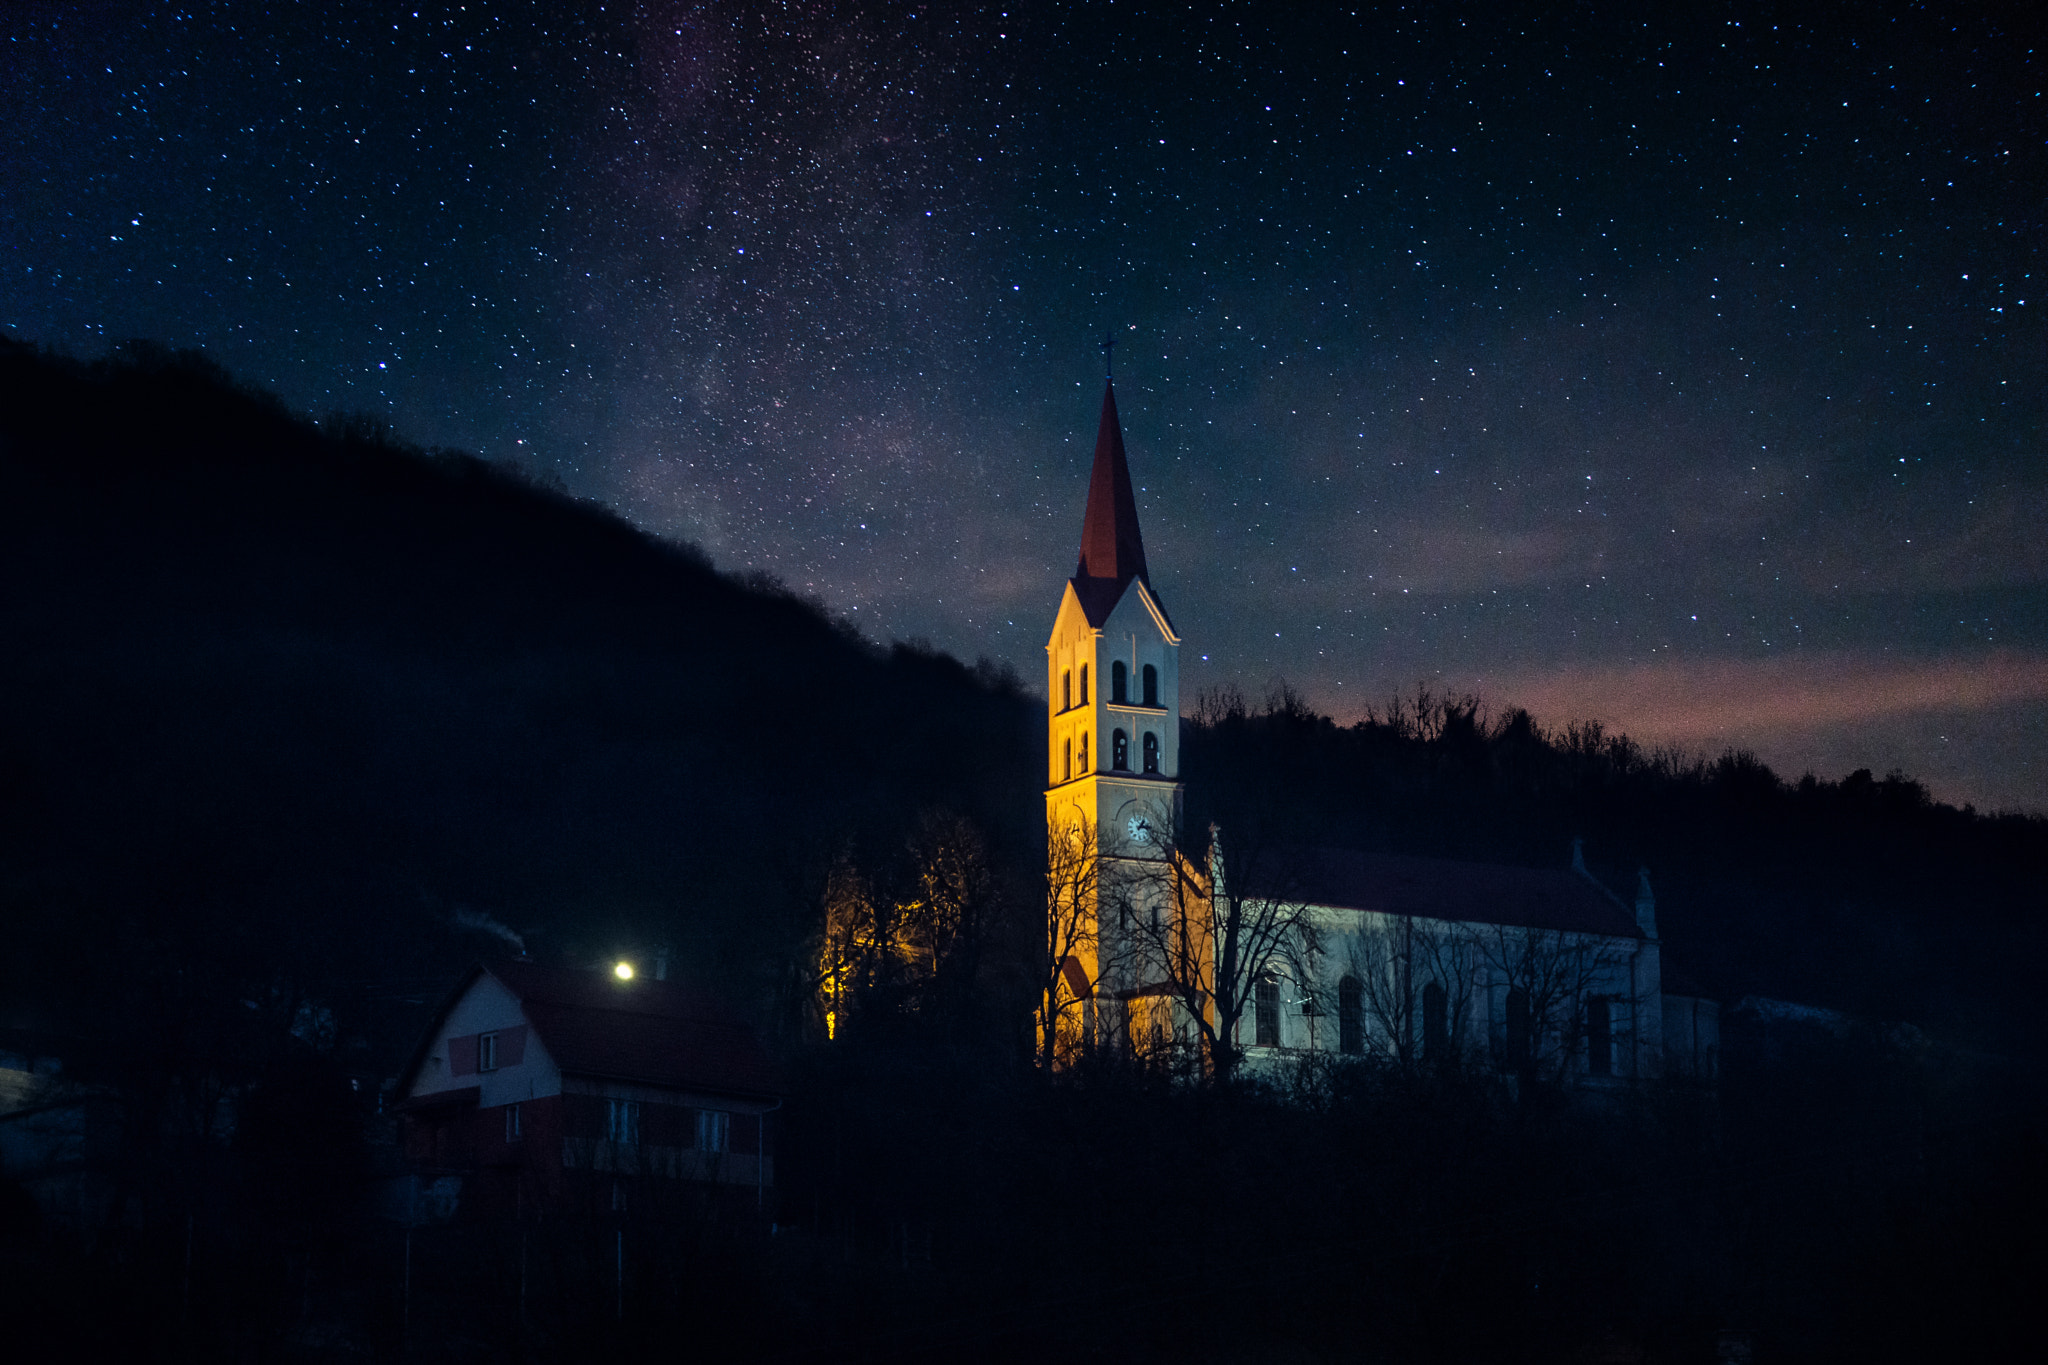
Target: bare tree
<point>1418,985</point>
<point>909,945</point>
<point>1548,977</point>
<point>1073,866</point>
<point>1205,939</point>
<point>946,916</point>
<point>854,950</point>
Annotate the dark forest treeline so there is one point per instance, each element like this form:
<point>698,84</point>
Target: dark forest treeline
<point>297,720</point>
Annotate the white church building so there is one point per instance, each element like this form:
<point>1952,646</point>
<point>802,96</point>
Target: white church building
<point>1182,944</point>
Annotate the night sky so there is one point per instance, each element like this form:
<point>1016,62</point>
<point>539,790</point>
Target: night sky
<point>1679,366</point>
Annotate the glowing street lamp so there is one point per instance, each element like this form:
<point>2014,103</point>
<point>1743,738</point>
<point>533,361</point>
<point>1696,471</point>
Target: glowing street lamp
<point>624,971</point>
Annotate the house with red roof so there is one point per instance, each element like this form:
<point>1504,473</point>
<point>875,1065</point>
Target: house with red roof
<point>532,1083</point>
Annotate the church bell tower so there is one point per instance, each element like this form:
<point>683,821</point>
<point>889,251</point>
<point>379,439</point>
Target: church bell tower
<point>1113,710</point>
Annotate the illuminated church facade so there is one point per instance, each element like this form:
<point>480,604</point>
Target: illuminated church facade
<point>1168,949</point>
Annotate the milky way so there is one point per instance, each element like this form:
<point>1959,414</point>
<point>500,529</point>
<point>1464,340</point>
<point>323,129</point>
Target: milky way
<point>1685,374</point>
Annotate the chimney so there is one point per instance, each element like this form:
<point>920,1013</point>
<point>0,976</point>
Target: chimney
<point>661,962</point>
<point>1579,857</point>
<point>1646,904</point>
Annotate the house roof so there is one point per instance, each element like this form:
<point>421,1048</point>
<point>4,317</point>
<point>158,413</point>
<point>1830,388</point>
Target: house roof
<point>658,1033</point>
<point>1466,893</point>
<point>1112,550</point>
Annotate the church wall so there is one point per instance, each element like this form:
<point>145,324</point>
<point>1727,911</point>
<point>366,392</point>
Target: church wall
<point>1357,942</point>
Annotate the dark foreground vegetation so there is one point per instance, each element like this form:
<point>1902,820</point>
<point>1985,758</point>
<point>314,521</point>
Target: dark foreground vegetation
<point>296,721</point>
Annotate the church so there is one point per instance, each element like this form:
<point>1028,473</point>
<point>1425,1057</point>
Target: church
<point>1201,950</point>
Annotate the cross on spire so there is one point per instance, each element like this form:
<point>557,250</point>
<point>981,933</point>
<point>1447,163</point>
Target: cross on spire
<point>1108,345</point>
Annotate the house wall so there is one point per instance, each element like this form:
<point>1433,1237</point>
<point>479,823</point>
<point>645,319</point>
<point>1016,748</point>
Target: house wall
<point>487,1007</point>
<point>568,1136</point>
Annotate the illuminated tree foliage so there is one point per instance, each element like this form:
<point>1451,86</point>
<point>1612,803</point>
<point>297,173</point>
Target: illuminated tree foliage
<point>907,943</point>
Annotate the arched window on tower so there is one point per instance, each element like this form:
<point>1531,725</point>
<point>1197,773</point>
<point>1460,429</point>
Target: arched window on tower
<point>1066,759</point>
<point>1084,752</point>
<point>1083,698</point>
<point>1350,1016</point>
<point>1067,690</point>
<point>1151,752</point>
<point>1266,1013</point>
<point>1119,683</point>
<point>1151,685</point>
<point>1119,751</point>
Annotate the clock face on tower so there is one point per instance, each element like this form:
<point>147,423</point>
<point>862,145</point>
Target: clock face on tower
<point>1140,829</point>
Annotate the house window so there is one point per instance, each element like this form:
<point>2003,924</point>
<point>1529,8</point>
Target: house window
<point>1436,1022</point>
<point>1350,1017</point>
<point>622,1121</point>
<point>1151,685</point>
<point>1266,1012</point>
<point>1083,698</point>
<point>1066,759</point>
<point>1084,751</point>
<point>1119,751</point>
<point>1067,691</point>
<point>487,1052</point>
<point>1599,1035</point>
<point>511,1123</point>
<point>714,1130</point>
<point>1119,683</point>
<point>1151,752</point>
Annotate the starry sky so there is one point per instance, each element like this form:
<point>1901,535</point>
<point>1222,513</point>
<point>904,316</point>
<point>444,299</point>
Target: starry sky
<point>1679,367</point>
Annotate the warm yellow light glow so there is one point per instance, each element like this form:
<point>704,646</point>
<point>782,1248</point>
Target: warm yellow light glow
<point>624,971</point>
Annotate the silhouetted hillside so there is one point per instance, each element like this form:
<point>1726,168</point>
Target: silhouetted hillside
<point>307,706</point>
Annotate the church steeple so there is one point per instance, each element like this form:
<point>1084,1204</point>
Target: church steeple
<point>1111,547</point>
<point>1112,758</point>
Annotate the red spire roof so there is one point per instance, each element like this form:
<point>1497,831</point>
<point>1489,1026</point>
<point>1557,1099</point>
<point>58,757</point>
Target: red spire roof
<point>1110,545</point>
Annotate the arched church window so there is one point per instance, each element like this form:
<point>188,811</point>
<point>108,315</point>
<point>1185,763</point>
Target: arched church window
<point>1266,1013</point>
<point>1151,752</point>
<point>1350,1016</point>
<point>1516,1039</point>
<point>1436,1022</point>
<point>1084,751</point>
<point>1119,683</point>
<point>1083,696</point>
<point>1599,1035</point>
<point>1151,685</point>
<point>1066,759</point>
<point>1119,751</point>
<point>1067,690</point>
